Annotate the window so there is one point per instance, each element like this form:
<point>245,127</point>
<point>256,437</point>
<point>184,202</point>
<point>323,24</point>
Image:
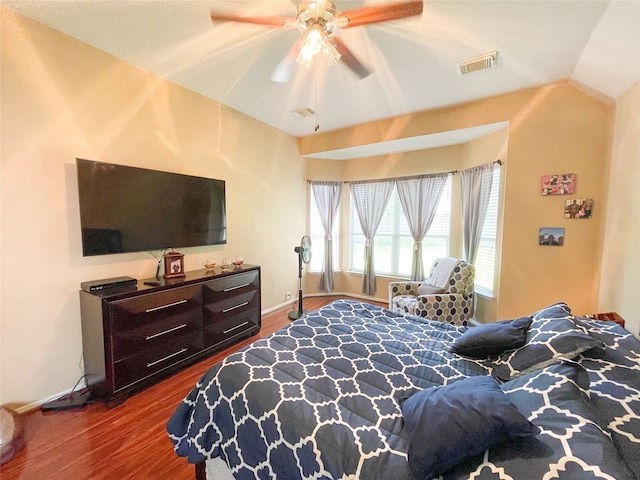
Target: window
<point>393,243</point>
<point>486,256</point>
<point>317,238</point>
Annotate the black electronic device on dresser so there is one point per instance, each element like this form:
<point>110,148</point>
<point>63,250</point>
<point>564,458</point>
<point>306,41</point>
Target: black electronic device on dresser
<point>136,335</point>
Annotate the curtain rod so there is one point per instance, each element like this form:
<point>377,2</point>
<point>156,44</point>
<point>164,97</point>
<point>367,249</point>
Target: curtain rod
<point>411,177</point>
<point>395,179</point>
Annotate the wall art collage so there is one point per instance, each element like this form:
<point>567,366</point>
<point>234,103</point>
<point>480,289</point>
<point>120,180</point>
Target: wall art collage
<point>574,208</point>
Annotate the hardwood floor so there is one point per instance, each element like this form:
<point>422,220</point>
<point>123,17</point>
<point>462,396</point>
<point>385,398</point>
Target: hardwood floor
<point>128,441</point>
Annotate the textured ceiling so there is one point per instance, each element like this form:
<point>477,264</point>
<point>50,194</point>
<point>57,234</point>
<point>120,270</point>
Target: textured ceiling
<point>414,61</point>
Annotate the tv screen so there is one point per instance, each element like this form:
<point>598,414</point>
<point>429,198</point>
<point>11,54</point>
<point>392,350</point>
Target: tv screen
<point>129,209</point>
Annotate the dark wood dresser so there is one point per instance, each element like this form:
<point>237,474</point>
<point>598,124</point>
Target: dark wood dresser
<point>137,335</point>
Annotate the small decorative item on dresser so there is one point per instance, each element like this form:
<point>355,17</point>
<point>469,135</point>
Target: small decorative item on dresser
<point>173,265</point>
<point>226,264</point>
<point>608,317</point>
<point>209,264</point>
<point>238,261</point>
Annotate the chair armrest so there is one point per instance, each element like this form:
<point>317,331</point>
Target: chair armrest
<point>402,288</point>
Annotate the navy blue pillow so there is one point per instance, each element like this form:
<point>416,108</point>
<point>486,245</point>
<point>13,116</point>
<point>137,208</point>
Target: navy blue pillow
<point>448,424</point>
<point>492,338</point>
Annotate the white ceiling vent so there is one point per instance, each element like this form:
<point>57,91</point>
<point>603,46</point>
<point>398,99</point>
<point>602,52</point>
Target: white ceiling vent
<point>303,112</point>
<point>488,60</point>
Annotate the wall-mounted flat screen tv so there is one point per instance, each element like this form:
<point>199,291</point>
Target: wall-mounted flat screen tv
<point>130,209</point>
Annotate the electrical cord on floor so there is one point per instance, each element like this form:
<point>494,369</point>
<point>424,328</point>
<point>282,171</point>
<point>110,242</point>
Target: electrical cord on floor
<point>74,399</point>
<point>72,393</point>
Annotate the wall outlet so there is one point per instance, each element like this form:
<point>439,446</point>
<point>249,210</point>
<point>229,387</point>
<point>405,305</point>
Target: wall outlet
<point>288,296</point>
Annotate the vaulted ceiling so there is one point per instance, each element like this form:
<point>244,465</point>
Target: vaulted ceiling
<point>413,61</point>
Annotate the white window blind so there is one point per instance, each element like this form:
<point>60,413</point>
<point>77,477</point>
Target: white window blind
<point>486,257</point>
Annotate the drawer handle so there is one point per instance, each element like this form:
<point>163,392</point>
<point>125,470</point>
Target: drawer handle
<point>182,350</point>
<point>233,328</point>
<point>149,310</point>
<point>236,287</point>
<point>234,307</point>
<point>149,337</point>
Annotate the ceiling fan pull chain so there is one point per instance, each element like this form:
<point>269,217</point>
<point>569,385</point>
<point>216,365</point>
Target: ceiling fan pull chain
<point>317,98</point>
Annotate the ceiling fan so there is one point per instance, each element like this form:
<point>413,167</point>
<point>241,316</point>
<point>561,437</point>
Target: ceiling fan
<point>318,21</point>
<point>304,255</point>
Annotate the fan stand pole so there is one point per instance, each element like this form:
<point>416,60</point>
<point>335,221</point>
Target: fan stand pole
<point>293,315</point>
<point>301,312</point>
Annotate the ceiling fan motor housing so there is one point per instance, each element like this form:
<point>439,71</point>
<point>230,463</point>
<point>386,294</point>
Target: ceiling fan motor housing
<point>322,13</point>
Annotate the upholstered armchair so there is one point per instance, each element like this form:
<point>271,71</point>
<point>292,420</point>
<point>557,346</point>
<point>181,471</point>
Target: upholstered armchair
<point>446,295</point>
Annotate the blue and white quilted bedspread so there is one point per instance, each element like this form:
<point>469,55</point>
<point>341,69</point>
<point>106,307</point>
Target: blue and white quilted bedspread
<point>320,399</point>
<point>321,394</point>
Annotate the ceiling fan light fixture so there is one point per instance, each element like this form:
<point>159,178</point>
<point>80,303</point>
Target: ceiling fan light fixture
<point>311,46</point>
<point>330,52</point>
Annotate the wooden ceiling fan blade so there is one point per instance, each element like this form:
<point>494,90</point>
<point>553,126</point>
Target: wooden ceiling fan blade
<point>284,70</point>
<point>379,13</point>
<point>349,59</point>
<point>276,22</point>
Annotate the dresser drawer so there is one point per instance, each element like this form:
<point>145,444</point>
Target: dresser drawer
<point>136,312</point>
<point>143,364</point>
<point>230,307</point>
<point>156,333</point>
<point>219,331</point>
<point>223,288</point>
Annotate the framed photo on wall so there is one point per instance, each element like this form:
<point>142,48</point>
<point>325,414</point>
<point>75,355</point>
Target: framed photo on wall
<point>552,236</point>
<point>578,208</point>
<point>558,184</point>
<point>174,265</point>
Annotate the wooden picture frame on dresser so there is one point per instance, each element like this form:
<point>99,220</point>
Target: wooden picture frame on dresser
<point>136,335</point>
<point>173,265</point>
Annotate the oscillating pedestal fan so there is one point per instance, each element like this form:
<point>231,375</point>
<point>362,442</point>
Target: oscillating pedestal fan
<point>304,255</point>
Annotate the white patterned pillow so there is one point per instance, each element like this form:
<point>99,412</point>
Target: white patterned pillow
<point>615,385</point>
<point>570,445</point>
<point>552,336</point>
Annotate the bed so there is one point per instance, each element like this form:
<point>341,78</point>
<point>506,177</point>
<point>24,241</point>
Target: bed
<point>355,391</point>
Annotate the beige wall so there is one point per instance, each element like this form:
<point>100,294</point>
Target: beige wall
<point>62,99</point>
<point>562,131</point>
<point>619,288</point>
<point>552,129</point>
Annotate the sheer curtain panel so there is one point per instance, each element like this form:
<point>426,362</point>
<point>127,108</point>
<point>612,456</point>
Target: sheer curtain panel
<point>475,185</point>
<point>419,198</point>
<point>370,199</point>
<point>327,197</point>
